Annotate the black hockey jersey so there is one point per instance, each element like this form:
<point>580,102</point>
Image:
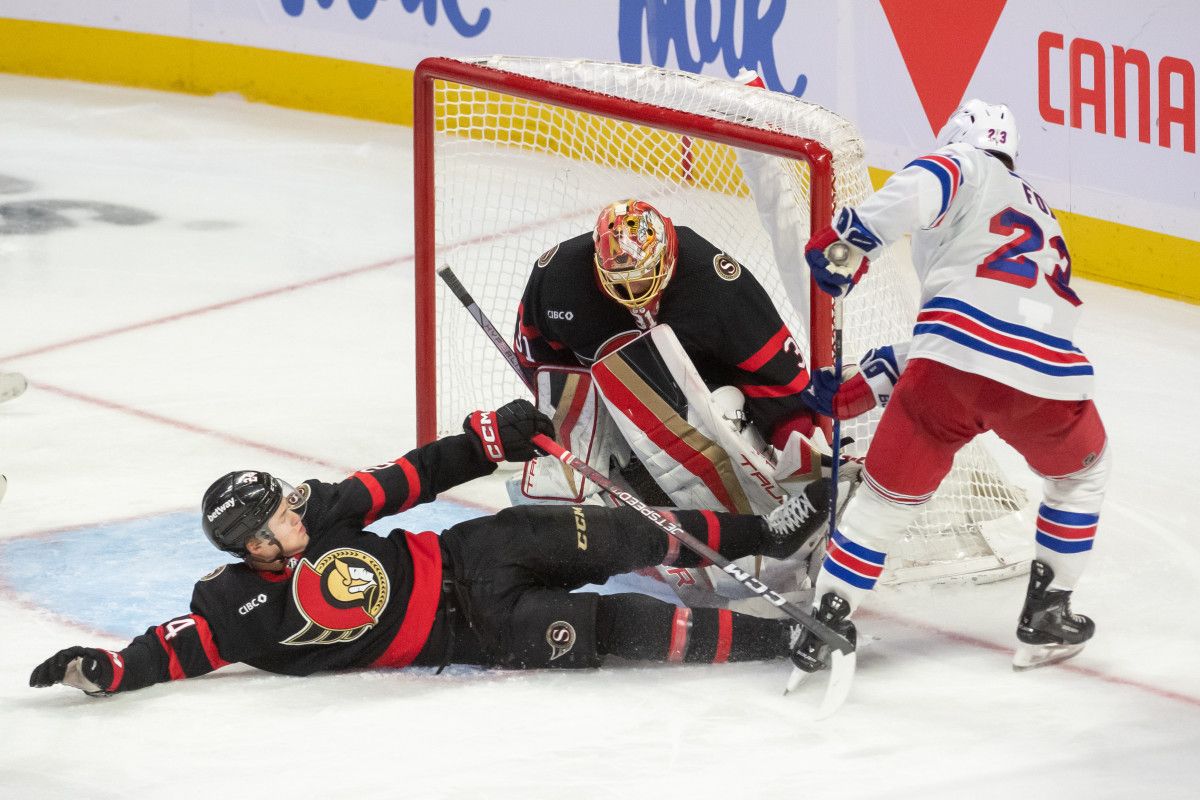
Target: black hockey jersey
<point>352,599</point>
<point>720,313</point>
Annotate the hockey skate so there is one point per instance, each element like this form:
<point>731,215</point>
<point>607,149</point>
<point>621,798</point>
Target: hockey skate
<point>798,523</point>
<point>809,653</point>
<point>1048,631</point>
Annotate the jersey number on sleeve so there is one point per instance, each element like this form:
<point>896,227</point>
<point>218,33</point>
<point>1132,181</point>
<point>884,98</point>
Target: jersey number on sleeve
<point>1010,264</point>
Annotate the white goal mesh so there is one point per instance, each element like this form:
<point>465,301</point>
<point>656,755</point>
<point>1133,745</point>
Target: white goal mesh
<point>513,174</point>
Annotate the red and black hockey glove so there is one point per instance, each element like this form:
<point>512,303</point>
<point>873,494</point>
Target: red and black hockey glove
<point>89,669</point>
<point>504,434</point>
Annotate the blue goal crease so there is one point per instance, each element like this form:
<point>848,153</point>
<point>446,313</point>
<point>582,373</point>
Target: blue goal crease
<point>124,577</point>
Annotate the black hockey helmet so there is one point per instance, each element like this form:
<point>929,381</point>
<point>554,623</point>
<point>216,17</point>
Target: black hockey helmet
<point>239,504</point>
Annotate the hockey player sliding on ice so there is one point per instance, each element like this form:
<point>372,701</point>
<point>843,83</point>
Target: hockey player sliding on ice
<point>314,591</point>
<point>991,350</point>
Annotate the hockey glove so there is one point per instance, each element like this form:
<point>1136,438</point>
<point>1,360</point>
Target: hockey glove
<point>838,279</point>
<point>868,385</point>
<point>86,668</point>
<point>504,434</point>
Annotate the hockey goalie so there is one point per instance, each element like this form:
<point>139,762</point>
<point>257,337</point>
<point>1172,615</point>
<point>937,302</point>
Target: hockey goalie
<point>664,363</point>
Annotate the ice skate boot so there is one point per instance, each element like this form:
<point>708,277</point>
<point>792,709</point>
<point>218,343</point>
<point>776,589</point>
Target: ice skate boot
<point>808,652</point>
<point>1048,631</point>
<point>798,523</point>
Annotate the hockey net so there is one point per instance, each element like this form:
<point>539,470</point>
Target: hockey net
<point>515,154</point>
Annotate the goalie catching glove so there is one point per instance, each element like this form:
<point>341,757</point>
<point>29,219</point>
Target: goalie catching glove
<point>838,279</point>
<point>89,669</point>
<point>862,388</point>
<point>505,434</point>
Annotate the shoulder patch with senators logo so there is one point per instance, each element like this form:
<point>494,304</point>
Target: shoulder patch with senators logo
<point>214,573</point>
<point>726,267</point>
<point>547,256</point>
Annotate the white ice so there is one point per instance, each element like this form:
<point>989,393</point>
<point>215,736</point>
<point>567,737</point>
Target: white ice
<point>263,318</point>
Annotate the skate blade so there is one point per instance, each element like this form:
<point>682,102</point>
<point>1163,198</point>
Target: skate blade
<point>1032,656</point>
<point>838,678</point>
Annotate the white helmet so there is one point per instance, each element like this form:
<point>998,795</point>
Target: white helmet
<point>984,126</point>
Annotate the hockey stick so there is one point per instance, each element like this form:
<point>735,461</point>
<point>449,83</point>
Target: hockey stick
<point>841,664</point>
<point>464,297</point>
<point>828,635</point>
<point>842,658</point>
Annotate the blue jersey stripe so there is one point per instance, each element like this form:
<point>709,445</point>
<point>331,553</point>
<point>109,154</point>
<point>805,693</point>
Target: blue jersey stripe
<point>939,172</point>
<point>969,341</point>
<point>852,578</point>
<point>1010,328</point>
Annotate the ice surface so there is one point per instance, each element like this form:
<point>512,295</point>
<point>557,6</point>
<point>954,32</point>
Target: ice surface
<point>198,285</point>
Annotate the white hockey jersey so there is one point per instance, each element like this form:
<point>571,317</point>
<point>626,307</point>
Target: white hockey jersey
<point>994,271</point>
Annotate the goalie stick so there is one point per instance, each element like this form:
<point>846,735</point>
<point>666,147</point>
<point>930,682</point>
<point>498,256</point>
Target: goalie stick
<point>842,656</point>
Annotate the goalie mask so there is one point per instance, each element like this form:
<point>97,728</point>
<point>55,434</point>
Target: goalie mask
<point>635,252</point>
<point>988,127</point>
<point>238,506</point>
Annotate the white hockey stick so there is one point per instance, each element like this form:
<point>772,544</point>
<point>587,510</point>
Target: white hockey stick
<point>842,658</point>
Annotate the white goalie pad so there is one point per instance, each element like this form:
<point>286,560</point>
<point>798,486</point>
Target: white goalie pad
<point>568,396</point>
<point>696,444</point>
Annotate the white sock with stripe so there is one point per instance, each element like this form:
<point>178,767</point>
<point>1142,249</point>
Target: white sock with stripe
<point>857,549</point>
<point>1067,520</point>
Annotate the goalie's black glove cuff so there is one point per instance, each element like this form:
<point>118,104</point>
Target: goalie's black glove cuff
<point>505,434</point>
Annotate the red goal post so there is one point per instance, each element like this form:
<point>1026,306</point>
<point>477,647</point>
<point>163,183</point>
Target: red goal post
<point>513,155</point>
<point>683,123</point>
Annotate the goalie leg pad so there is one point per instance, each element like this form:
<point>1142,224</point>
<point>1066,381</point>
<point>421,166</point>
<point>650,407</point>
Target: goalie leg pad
<point>568,396</point>
<point>691,440</point>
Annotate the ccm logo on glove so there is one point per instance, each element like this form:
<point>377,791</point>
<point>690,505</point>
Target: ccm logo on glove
<point>484,423</point>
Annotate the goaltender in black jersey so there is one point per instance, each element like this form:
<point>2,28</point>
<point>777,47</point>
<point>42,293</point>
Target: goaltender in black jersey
<point>315,591</point>
<point>590,294</point>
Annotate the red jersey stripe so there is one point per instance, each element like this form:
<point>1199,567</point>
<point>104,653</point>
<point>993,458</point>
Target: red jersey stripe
<point>174,668</point>
<point>724,635</point>
<point>681,626</point>
<point>414,484</point>
<point>422,603</point>
<point>974,328</point>
<point>795,387</point>
<point>768,351</point>
<point>377,495</point>
<point>204,633</point>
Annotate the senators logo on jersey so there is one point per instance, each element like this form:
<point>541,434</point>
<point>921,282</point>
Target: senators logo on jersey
<point>341,596</point>
<point>727,268</point>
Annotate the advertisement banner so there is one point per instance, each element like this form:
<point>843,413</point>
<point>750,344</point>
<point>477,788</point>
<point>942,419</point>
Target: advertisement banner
<point>1104,93</point>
